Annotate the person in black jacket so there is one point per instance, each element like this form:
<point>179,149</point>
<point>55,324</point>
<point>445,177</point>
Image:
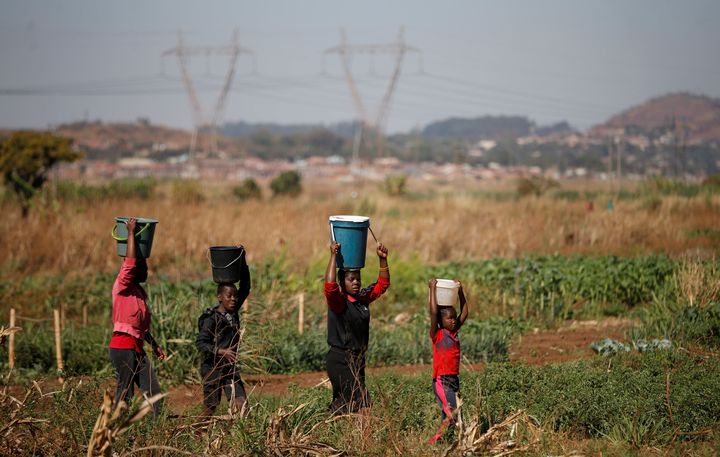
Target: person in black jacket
<point>217,341</point>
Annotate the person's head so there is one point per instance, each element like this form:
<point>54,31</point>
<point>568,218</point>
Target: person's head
<point>227,297</point>
<point>350,281</point>
<point>448,318</point>
<point>141,270</point>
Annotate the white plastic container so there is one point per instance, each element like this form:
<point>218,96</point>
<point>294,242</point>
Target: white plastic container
<point>446,292</point>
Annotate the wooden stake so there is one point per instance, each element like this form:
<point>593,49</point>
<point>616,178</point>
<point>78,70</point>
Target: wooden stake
<point>301,313</point>
<point>84,316</point>
<point>63,315</point>
<point>58,343</point>
<point>11,341</point>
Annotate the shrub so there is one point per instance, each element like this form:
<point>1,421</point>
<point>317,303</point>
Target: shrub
<point>535,185</point>
<point>288,184</point>
<point>247,190</point>
<point>395,184</point>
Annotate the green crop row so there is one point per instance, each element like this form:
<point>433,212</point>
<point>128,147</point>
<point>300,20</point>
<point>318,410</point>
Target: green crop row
<point>654,399</point>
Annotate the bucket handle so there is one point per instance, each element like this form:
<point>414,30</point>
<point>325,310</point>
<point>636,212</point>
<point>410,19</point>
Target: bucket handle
<point>332,233</point>
<point>113,232</point>
<point>207,254</point>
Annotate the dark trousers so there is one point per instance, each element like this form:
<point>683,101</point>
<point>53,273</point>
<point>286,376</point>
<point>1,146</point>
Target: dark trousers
<point>133,368</point>
<point>446,388</point>
<point>217,379</point>
<point>346,370</point>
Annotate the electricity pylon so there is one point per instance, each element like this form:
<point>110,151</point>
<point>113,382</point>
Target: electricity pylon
<point>346,51</point>
<point>200,121</point>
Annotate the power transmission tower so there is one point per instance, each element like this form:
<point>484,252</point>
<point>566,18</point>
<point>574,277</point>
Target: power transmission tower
<point>200,121</point>
<point>346,51</point>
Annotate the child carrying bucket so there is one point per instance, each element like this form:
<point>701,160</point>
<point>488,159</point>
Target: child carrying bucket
<point>349,327</point>
<point>444,327</point>
<point>131,326</point>
<point>219,337</point>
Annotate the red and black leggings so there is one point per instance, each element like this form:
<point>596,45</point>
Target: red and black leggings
<point>446,388</point>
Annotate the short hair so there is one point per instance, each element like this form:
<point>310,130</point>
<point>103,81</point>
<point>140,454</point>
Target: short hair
<point>445,310</point>
<point>223,285</point>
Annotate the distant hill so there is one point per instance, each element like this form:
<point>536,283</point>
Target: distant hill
<point>480,127</point>
<point>125,139</point>
<point>242,129</point>
<point>493,127</point>
<point>698,115</point>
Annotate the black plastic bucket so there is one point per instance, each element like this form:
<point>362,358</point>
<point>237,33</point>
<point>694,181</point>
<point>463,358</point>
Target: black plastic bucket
<point>226,263</point>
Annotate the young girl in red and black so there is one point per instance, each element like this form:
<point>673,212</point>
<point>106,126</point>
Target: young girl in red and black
<point>349,330</point>
<point>131,327</point>
<point>444,327</point>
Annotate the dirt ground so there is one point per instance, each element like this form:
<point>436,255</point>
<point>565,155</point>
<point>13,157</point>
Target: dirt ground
<point>567,343</point>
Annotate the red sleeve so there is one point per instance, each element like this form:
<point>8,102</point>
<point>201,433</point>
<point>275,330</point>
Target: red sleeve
<point>378,289</point>
<point>437,336</point>
<point>334,297</point>
<point>128,272</point>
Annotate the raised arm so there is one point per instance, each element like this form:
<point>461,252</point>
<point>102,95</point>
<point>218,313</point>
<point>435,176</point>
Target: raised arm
<point>128,272</point>
<point>432,307</point>
<point>382,253</point>
<point>131,244</point>
<point>330,274</point>
<point>244,286</point>
<point>333,295</point>
<point>464,306</point>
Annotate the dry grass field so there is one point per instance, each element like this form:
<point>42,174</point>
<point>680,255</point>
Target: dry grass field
<point>433,223</point>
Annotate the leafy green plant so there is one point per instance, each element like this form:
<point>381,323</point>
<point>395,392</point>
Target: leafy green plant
<point>288,183</point>
<point>395,184</point>
<point>247,190</point>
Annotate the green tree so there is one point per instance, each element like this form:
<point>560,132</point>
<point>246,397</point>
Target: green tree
<point>26,159</point>
<point>249,189</point>
<point>287,183</point>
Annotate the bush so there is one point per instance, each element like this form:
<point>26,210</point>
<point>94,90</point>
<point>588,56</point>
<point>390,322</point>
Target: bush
<point>395,185</point>
<point>535,185</point>
<point>249,189</point>
<point>288,184</point>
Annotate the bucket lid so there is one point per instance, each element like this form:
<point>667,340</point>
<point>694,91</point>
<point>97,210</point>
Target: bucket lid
<point>348,218</point>
<point>448,284</point>
<point>141,220</point>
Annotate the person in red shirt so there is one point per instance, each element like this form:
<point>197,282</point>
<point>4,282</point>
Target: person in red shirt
<point>349,329</point>
<point>444,327</point>
<point>131,327</point>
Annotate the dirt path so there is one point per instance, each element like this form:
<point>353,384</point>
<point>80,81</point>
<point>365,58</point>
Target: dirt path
<point>567,343</point>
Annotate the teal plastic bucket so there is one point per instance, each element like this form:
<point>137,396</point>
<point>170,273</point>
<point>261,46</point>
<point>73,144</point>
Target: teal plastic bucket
<point>226,263</point>
<point>144,233</point>
<point>351,233</point>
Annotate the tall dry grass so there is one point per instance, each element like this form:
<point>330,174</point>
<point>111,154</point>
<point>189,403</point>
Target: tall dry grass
<point>74,237</point>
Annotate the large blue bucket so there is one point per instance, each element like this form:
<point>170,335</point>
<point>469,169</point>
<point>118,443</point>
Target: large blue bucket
<point>144,234</point>
<point>351,233</point>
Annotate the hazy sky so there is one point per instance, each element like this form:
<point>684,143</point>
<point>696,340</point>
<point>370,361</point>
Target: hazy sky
<point>573,60</point>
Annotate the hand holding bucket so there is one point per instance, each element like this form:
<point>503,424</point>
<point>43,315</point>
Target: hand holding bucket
<point>446,292</point>
<point>144,236</point>
<point>351,233</point>
<point>226,263</point>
